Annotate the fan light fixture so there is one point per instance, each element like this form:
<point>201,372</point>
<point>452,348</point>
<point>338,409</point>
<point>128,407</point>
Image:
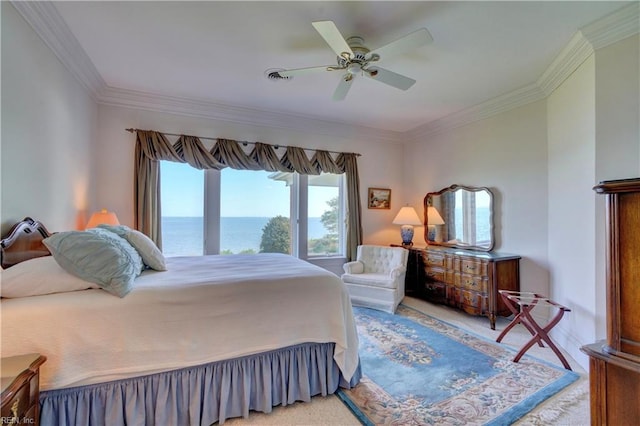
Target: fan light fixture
<point>354,58</point>
<point>354,69</point>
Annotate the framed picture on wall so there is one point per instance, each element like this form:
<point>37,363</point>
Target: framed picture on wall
<point>379,198</point>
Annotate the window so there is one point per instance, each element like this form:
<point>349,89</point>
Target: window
<point>243,211</point>
<point>254,212</point>
<point>182,195</point>
<point>325,221</point>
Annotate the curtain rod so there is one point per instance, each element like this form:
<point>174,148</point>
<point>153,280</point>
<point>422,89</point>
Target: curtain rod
<point>131,130</point>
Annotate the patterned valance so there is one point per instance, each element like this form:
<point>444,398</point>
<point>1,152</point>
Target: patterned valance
<point>152,146</point>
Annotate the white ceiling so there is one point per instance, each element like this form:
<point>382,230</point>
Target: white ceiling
<point>218,52</point>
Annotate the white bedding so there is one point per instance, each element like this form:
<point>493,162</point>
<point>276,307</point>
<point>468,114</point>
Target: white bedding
<point>202,309</point>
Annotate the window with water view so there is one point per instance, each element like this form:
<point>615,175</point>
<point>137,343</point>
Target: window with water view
<point>241,211</point>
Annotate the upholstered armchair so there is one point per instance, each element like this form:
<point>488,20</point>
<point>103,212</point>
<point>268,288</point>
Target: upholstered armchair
<point>376,278</point>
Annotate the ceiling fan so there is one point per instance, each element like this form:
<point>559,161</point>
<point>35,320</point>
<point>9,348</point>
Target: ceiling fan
<point>356,59</point>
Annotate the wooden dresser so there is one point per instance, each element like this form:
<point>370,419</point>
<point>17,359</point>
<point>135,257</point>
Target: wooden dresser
<point>21,389</point>
<point>464,279</point>
<point>614,364</point>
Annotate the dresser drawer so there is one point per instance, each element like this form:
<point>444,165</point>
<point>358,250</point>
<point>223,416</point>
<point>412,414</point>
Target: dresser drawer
<point>434,259</point>
<point>434,274</point>
<point>472,282</point>
<point>436,292</point>
<point>474,267</point>
<point>438,274</point>
<point>473,303</point>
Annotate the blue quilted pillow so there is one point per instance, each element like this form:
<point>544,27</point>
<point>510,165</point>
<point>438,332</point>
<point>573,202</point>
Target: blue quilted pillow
<point>98,256</point>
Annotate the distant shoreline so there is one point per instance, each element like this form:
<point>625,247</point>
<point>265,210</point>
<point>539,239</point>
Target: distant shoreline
<point>183,235</point>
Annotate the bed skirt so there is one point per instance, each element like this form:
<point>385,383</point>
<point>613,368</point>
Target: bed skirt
<point>201,395</point>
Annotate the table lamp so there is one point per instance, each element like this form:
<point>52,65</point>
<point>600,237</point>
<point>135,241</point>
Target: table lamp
<point>102,217</point>
<point>407,217</point>
<point>433,219</point>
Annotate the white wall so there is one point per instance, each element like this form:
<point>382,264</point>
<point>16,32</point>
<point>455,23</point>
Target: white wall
<point>571,116</point>
<point>542,161</point>
<point>48,121</point>
<point>617,74</point>
<point>508,154</point>
<point>380,164</point>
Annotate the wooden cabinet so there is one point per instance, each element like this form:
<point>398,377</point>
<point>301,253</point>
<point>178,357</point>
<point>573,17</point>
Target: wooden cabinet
<point>614,364</point>
<point>468,280</point>
<point>21,389</point>
<point>415,273</point>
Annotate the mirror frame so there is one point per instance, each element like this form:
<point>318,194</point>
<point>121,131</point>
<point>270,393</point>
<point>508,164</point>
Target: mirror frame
<point>428,202</point>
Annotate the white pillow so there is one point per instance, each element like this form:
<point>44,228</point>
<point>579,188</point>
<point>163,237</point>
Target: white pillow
<point>41,275</point>
<point>150,253</point>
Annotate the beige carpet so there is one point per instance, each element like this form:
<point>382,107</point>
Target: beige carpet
<point>568,407</point>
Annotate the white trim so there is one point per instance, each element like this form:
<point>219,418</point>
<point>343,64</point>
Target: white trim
<point>568,60</point>
<point>614,27</point>
<point>49,25</point>
<point>53,30</point>
<point>479,112</point>
<point>237,114</point>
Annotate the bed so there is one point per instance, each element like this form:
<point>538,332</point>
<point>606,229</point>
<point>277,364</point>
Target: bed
<point>210,338</point>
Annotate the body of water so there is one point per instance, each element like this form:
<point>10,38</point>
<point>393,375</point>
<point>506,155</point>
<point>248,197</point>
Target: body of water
<point>183,236</point>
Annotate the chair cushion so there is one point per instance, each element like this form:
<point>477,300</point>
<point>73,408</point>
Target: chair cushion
<point>374,280</point>
<point>381,259</point>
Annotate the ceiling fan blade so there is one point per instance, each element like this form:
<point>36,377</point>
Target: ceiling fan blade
<point>410,41</point>
<point>298,71</point>
<point>343,88</point>
<point>389,77</point>
<point>332,36</point>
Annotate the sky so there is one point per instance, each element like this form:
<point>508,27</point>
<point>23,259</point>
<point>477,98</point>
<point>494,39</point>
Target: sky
<point>244,193</point>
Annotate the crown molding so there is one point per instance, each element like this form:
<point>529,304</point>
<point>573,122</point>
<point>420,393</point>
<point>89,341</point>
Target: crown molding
<point>568,60</point>
<point>49,25</point>
<point>236,114</point>
<point>500,104</point>
<point>614,27</point>
<point>53,30</point>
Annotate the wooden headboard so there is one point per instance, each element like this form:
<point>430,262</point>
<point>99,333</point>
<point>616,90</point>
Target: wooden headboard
<point>23,242</point>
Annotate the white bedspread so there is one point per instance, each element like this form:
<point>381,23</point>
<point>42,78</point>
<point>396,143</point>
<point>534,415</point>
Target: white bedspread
<point>203,309</point>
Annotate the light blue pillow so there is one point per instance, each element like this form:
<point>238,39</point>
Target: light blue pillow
<point>150,253</point>
<point>98,256</point>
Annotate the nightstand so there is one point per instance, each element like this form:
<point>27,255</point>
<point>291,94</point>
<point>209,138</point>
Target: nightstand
<point>21,389</point>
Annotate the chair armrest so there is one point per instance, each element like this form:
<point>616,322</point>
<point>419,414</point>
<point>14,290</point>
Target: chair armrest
<point>397,271</point>
<point>355,267</point>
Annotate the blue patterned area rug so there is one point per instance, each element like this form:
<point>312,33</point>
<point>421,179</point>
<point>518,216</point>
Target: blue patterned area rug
<point>420,371</point>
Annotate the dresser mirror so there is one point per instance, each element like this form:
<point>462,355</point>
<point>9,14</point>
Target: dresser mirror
<point>459,216</point>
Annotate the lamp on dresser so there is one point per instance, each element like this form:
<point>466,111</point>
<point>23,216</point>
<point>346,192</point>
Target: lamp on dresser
<point>407,217</point>
<point>433,218</point>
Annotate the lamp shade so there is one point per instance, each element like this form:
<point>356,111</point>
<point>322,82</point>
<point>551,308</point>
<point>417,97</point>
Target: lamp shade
<point>433,216</point>
<point>102,217</point>
<point>407,216</point>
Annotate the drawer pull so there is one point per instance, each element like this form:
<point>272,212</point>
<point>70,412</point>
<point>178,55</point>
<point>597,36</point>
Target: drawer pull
<point>471,267</point>
<point>14,411</point>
